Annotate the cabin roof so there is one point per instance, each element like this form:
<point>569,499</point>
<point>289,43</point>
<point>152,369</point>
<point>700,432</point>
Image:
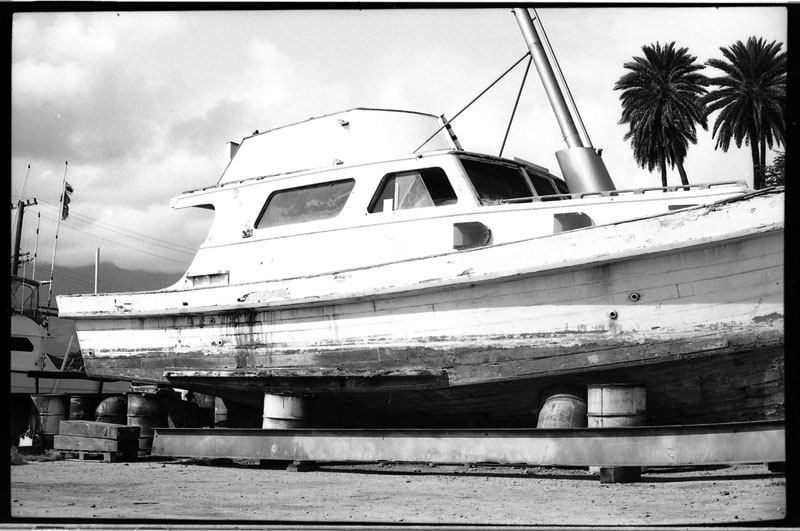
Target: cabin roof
<point>354,136</point>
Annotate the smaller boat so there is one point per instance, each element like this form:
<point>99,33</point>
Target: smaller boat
<point>33,369</point>
<point>28,335</point>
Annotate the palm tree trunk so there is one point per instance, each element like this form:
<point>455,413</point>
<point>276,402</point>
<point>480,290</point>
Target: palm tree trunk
<point>663,165</point>
<point>754,152</point>
<point>756,174</point>
<point>762,167</point>
<point>682,171</point>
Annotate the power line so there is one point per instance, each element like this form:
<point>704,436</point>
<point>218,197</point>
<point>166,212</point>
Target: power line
<point>138,249</point>
<point>77,278</point>
<point>120,230</point>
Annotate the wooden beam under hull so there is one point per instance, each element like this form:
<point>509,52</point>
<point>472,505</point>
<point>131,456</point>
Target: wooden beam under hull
<point>756,442</point>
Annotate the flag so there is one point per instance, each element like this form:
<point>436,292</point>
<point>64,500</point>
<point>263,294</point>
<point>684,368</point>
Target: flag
<point>65,200</point>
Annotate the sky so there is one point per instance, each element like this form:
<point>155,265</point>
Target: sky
<point>142,104</point>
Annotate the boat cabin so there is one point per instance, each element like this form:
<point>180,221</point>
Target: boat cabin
<point>365,196</point>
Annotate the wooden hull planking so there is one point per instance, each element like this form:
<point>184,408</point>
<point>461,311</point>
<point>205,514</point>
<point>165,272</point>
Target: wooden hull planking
<point>697,319</point>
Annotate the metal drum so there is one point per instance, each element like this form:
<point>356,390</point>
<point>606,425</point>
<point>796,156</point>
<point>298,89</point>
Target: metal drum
<point>113,409</point>
<point>51,409</point>
<point>205,409</point>
<point>220,413</point>
<point>180,413</point>
<point>285,412</point>
<point>616,405</point>
<point>82,407</point>
<point>146,411</point>
<point>564,407</point>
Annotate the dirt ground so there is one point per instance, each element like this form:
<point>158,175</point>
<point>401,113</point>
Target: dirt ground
<point>190,491</point>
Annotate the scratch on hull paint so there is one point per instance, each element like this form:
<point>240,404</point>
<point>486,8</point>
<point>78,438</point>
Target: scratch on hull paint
<point>774,316</point>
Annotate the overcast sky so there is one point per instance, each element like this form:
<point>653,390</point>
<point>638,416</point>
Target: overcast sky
<point>141,104</point>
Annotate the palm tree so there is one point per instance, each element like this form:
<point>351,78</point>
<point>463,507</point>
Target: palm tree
<point>750,98</point>
<point>660,103</point>
<point>775,174</point>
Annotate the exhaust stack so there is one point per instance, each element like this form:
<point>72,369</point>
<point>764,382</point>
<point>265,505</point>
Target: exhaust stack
<point>581,166</point>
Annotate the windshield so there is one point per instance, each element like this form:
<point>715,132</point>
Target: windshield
<point>496,183</point>
<point>24,297</point>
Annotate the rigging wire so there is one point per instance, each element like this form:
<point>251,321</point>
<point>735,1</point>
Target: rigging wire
<point>22,192</point>
<point>516,103</point>
<point>474,100</point>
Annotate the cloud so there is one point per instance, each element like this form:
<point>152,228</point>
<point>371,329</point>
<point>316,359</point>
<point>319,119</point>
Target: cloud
<point>142,103</point>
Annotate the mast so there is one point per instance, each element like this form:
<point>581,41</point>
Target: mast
<point>58,225</point>
<point>582,167</point>
<point>36,245</point>
<point>18,235</point>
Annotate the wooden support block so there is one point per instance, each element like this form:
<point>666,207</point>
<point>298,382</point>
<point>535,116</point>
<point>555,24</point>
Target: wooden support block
<point>777,466</point>
<point>108,457</point>
<point>274,464</point>
<point>620,474</point>
<point>302,466</point>
<point>91,444</point>
<point>98,430</point>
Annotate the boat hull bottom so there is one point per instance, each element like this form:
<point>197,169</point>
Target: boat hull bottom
<point>735,387</point>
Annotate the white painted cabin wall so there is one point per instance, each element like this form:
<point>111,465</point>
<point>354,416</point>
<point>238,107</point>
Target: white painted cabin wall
<point>356,238</point>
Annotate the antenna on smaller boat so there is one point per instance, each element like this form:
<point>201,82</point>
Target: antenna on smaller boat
<point>36,245</point>
<point>581,166</point>
<point>61,215</point>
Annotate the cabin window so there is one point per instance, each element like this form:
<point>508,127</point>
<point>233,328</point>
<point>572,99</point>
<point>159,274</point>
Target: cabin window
<point>543,185</point>
<point>543,182</point>
<point>414,189</point>
<point>21,344</point>
<point>306,203</point>
<point>495,183</point>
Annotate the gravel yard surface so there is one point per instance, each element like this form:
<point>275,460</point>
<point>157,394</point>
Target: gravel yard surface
<point>194,491</point>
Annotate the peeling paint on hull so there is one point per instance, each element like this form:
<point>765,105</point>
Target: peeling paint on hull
<point>689,304</point>
<point>537,330</point>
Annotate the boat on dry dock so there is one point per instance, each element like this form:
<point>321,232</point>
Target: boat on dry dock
<point>30,358</point>
<point>387,281</point>
<point>28,334</point>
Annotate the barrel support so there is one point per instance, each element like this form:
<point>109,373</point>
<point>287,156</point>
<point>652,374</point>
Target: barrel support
<point>285,412</point>
<point>616,405</point>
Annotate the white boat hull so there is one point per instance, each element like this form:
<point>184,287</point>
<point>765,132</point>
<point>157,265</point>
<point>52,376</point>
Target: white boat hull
<point>471,338</point>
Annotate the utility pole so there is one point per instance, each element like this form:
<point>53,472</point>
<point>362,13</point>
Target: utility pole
<point>21,205</point>
<point>96,268</point>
